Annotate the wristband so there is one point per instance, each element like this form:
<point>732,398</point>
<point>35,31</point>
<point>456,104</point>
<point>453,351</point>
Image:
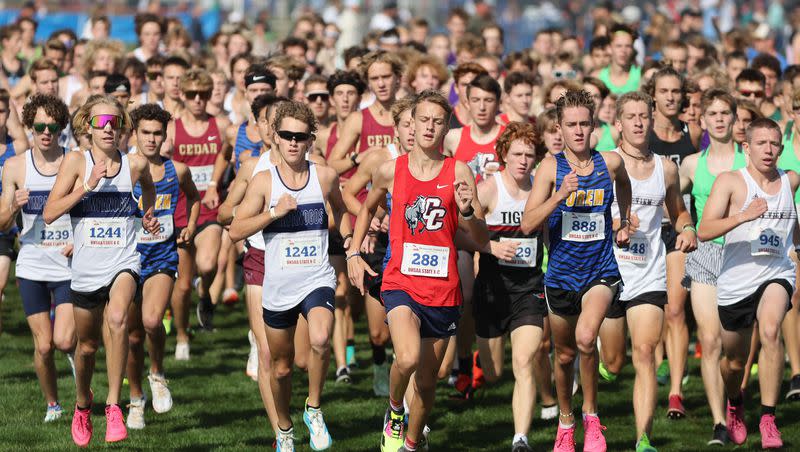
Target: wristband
<point>690,227</point>
<point>87,188</point>
<point>624,222</point>
<point>348,236</point>
<point>352,255</point>
<point>272,213</point>
<point>469,214</point>
<point>353,158</point>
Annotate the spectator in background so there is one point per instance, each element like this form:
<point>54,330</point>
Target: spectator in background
<point>13,67</point>
<point>492,35</point>
<point>418,29</point>
<point>770,67</point>
<point>149,29</point>
<point>218,45</point>
<point>425,72</point>
<point>135,71</point>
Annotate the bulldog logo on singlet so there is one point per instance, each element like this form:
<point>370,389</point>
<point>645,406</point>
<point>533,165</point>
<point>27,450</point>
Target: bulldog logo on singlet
<point>425,214</point>
<point>478,163</point>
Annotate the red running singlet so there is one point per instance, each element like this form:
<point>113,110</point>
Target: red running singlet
<point>422,225</point>
<point>333,137</point>
<point>476,155</point>
<point>199,154</point>
<point>504,119</point>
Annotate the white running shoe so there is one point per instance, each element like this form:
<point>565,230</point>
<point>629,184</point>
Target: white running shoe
<point>284,441</point>
<point>54,412</point>
<point>136,413</point>
<point>162,399</point>
<point>182,351</point>
<point>252,357</point>
<point>318,436</point>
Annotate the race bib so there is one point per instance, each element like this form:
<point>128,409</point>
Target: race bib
<point>301,252</point>
<point>637,252</point>
<point>425,260</point>
<point>58,234</point>
<point>766,242</point>
<point>525,255</point>
<point>165,229</point>
<point>583,227</point>
<point>105,232</point>
<point>201,176</point>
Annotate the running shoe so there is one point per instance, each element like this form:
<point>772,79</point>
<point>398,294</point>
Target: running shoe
<point>115,424</point>
<point>463,387</point>
<point>343,375</point>
<point>662,373</point>
<point>350,356</point>
<point>754,371</point>
<point>593,439</point>
<point>521,446</point>
<point>770,436</point>
<point>676,409</point>
<point>423,443</point>
<point>565,439</point>
<point>284,441</point>
<point>252,358</point>
<point>478,379</point>
<point>698,350</point>
<point>643,445</point>
<point>181,351</point>
<point>606,374</point>
<point>135,419</point>
<point>82,426</point>
<point>549,412</point>
<point>162,398</point>
<point>230,296</point>
<point>205,314</point>
<point>392,438</point>
<point>54,412</point>
<point>71,359</point>
<point>794,388</point>
<point>720,436</point>
<point>319,438</point>
<point>380,379</point>
<point>734,421</point>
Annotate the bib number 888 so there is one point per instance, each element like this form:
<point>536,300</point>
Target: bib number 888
<point>426,260</point>
<point>584,226</point>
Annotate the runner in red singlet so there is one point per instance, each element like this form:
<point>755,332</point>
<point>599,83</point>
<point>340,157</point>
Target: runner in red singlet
<point>421,289</point>
<point>197,139</point>
<point>518,87</point>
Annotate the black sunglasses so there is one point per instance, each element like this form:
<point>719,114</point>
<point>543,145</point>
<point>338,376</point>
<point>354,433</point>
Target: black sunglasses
<point>39,127</point>
<point>315,96</point>
<point>154,75</point>
<point>205,95</point>
<point>296,136</point>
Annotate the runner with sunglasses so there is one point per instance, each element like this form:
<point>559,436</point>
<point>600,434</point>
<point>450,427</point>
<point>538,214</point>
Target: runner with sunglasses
<point>197,140</point>
<point>154,94</point>
<point>159,261</point>
<point>245,137</point>
<point>96,188</point>
<point>287,203</point>
<point>42,269</point>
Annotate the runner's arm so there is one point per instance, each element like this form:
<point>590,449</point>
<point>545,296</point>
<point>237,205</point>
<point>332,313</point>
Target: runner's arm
<point>475,223</point>
<point>8,205</point>
<point>717,219</point>
<point>686,172</point>
<point>334,197</point>
<point>140,172</point>
<point>349,134</point>
<point>65,194</point>
<point>542,201</point>
<point>236,191</point>
<point>211,198</point>
<point>190,191</point>
<point>680,217</point>
<point>16,131</point>
<point>622,184</point>
<point>358,181</point>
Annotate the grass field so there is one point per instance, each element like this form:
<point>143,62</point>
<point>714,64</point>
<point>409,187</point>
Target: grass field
<point>217,407</point>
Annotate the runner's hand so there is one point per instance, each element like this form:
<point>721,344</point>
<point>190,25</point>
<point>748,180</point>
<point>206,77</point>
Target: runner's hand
<point>211,198</point>
<point>463,194</point>
<point>186,235</point>
<point>150,222</point>
<point>623,238</point>
<point>568,185</point>
<point>686,241</point>
<point>633,224</point>
<point>20,198</point>
<point>368,245</point>
<point>99,171</point>
<point>757,207</point>
<point>504,250</point>
<point>67,250</point>
<point>286,204</point>
<point>355,271</point>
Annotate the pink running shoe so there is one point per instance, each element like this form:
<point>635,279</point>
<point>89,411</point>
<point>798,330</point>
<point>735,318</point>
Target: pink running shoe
<point>115,424</point>
<point>565,439</point>
<point>734,421</point>
<point>593,439</point>
<point>770,436</point>
<point>82,426</point>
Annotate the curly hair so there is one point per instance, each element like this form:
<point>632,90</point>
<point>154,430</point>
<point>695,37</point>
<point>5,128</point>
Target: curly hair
<point>150,112</point>
<point>53,107</point>
<point>523,131</point>
<point>295,110</point>
<point>429,61</point>
<point>574,98</point>
<point>116,48</point>
<point>380,56</point>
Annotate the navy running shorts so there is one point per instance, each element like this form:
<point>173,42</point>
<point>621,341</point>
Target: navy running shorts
<point>439,322</point>
<point>37,295</point>
<point>322,297</point>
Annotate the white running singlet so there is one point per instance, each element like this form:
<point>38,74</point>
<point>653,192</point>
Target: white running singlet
<point>104,232</point>
<point>643,264</point>
<point>40,257</point>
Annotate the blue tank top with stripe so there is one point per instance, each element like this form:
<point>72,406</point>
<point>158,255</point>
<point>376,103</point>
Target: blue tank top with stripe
<point>244,144</point>
<point>575,264</point>
<point>161,247</point>
<point>10,152</point>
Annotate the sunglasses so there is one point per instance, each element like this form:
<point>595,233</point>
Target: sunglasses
<point>561,75</point>
<point>40,127</point>
<point>294,136</point>
<point>205,95</point>
<point>154,75</point>
<point>313,97</point>
<point>101,121</point>
<point>748,93</point>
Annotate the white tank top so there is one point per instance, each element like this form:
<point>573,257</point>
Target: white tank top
<point>296,246</point>
<point>257,240</point>
<point>758,251</point>
<point>104,224</point>
<point>40,257</point>
<point>643,265</point>
<point>143,100</point>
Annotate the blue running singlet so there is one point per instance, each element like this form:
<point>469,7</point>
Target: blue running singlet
<point>160,251</point>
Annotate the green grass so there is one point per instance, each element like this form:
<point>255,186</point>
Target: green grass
<point>217,407</point>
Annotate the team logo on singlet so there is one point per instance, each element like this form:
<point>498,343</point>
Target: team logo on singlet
<point>425,214</point>
<point>478,163</point>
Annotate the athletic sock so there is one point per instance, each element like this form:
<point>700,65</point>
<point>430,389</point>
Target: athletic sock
<point>396,406</point>
<point>310,407</point>
<point>519,437</point>
<point>737,401</point>
<point>565,426</point>
<point>465,365</point>
<point>378,354</point>
<point>410,445</point>
<point>585,415</point>
<point>767,410</point>
<point>351,342</point>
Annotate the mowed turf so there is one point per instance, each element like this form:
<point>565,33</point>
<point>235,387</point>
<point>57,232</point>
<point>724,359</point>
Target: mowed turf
<point>217,407</point>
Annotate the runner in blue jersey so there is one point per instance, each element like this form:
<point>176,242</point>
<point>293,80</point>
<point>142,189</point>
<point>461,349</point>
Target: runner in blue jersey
<point>572,193</point>
<point>159,261</point>
<point>258,80</point>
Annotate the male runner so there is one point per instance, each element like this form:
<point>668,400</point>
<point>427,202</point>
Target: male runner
<point>245,137</point>
<point>197,139</point>
<point>753,208</point>
<point>698,172</point>
<point>345,89</point>
<point>508,286</point>
<point>518,87</point>
<point>421,289</point>
<point>159,260</point>
<point>287,203</point>
<point>173,70</point>
<point>463,75</point>
<point>95,186</point>
<point>42,269</point>
<point>654,186</point>
<point>622,75</point>
<point>573,193</point>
